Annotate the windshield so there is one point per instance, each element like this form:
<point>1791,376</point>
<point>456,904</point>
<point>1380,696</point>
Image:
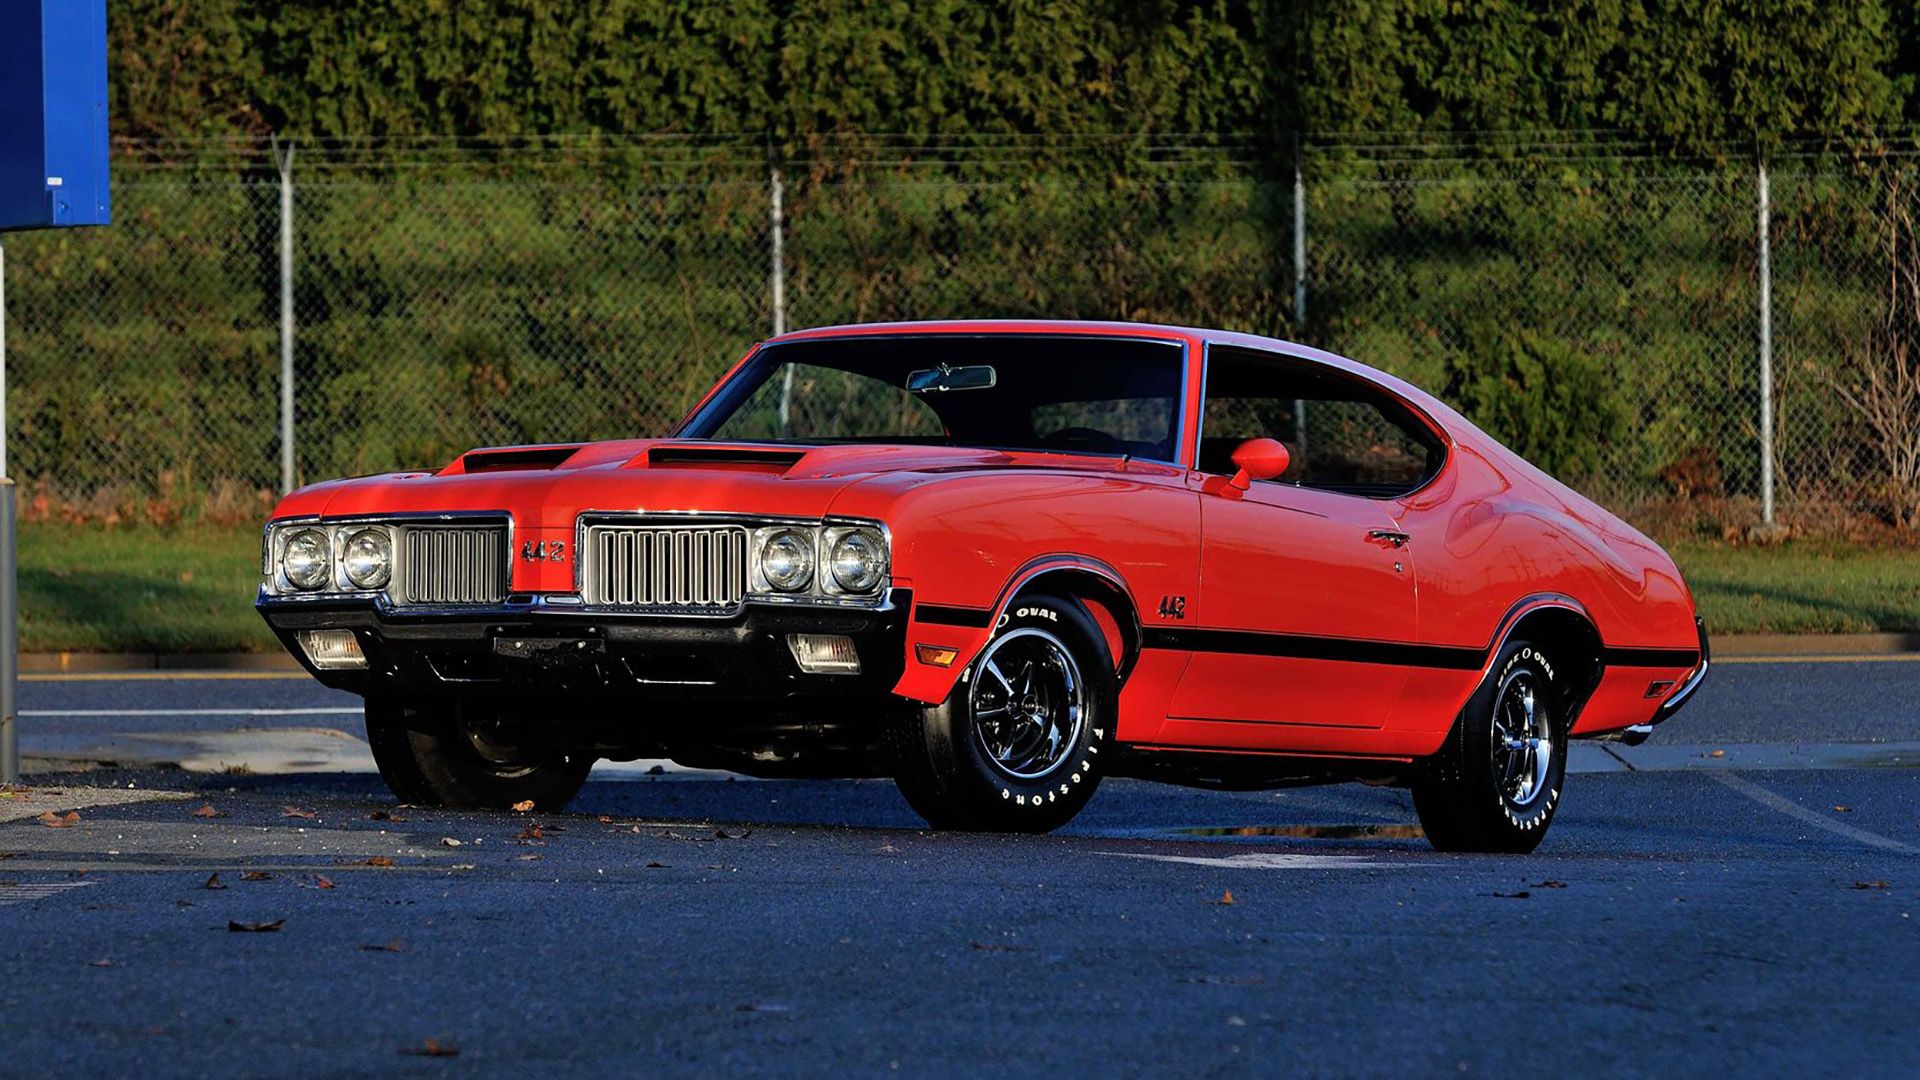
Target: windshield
<point>1100,395</point>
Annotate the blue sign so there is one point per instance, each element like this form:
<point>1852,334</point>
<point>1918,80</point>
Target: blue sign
<point>53,113</point>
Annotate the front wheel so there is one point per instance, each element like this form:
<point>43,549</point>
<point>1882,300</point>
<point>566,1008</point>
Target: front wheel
<point>469,755</point>
<point>1495,784</point>
<point>1021,742</point>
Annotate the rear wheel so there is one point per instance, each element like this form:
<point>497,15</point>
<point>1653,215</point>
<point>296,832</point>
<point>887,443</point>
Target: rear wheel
<point>469,755</point>
<point>1020,743</point>
<point>1496,782</point>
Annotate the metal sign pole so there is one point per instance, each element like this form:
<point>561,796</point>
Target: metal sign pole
<point>9,594</point>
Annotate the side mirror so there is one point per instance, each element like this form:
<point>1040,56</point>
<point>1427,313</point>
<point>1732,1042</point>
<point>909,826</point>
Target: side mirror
<point>1258,459</point>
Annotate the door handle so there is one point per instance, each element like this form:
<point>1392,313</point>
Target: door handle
<point>1388,536</point>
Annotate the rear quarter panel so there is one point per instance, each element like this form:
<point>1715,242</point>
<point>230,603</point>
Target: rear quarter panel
<point>1494,533</point>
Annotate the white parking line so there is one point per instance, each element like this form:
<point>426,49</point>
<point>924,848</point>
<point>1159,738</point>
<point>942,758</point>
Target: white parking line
<point>26,892</point>
<point>191,712</point>
<point>1262,860</point>
<point>1812,817</point>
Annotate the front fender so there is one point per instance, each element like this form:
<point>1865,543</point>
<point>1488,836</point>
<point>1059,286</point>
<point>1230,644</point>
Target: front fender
<point>968,543</point>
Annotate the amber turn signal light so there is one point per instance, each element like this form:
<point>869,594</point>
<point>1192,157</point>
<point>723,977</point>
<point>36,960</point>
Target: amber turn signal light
<point>936,655</point>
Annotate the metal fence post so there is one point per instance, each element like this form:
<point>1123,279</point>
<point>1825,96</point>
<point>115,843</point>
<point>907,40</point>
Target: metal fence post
<point>1299,286</point>
<point>777,286</point>
<point>9,593</point>
<point>1299,241</point>
<point>283,159</point>
<point>1766,350</point>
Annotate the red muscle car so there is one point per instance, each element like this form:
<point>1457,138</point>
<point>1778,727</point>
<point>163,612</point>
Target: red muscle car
<point>999,562</point>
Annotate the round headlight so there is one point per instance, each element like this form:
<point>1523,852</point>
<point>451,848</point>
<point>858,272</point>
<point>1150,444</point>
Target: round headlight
<point>786,560</point>
<point>368,558</point>
<point>857,562</point>
<point>305,560</point>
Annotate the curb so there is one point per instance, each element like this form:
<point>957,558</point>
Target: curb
<point>1788,645</point>
<point>42,663</point>
<point>1729,645</point>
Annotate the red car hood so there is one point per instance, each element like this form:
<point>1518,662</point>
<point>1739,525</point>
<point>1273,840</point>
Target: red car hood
<point>546,487</point>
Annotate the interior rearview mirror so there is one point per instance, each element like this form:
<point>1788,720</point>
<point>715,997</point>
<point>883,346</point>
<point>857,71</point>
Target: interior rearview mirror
<point>945,377</point>
<point>1258,459</point>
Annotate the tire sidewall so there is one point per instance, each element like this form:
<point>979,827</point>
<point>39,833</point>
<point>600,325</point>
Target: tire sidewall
<point>1478,742</point>
<point>1051,799</point>
<point>433,758</point>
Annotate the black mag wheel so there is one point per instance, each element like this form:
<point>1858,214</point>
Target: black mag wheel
<point>1028,702</point>
<point>1020,744</point>
<point>1495,784</point>
<point>469,755</point>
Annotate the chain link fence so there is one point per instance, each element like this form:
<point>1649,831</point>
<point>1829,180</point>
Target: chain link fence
<point>1599,313</point>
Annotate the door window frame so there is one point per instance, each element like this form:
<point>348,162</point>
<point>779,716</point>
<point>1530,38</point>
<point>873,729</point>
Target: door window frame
<point>1442,440</point>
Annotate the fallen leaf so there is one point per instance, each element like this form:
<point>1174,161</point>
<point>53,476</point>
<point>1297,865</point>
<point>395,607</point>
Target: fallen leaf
<point>1870,885</point>
<point>396,945</point>
<point>375,860</point>
<point>605,820</point>
<point>1549,884</point>
<point>385,815</point>
<point>209,811</point>
<point>296,812</point>
<point>431,1048</point>
<point>656,866</point>
<point>9,855</point>
<point>101,963</point>
<point>722,834</point>
<point>256,875</point>
<point>886,849</point>
<point>523,806</point>
<point>1718,753</point>
<point>1226,898</point>
<point>322,881</point>
<point>237,927</point>
<point>1843,809</point>
<point>531,856</point>
<point>448,841</point>
<point>214,882</point>
<point>1521,895</point>
<point>531,832</point>
<point>60,821</point>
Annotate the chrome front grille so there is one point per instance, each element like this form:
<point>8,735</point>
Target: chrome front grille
<point>661,566</point>
<point>452,564</point>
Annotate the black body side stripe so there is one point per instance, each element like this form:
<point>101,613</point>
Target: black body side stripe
<point>1304,647</point>
<point>953,616</point>
<point>1655,658</point>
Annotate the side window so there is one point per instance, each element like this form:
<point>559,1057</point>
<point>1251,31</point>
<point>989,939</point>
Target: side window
<point>1343,434</point>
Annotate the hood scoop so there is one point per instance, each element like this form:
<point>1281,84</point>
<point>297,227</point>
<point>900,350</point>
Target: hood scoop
<point>516,459</point>
<point>746,459</point>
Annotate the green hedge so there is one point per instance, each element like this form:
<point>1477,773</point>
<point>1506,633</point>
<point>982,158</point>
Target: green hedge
<point>1688,73</point>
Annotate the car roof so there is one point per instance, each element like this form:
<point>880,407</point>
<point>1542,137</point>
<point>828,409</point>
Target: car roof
<point>1451,422</point>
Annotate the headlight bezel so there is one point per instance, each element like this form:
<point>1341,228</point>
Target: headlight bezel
<point>822,587</point>
<point>346,536</point>
<point>322,544</point>
<point>832,537</point>
<point>805,544</point>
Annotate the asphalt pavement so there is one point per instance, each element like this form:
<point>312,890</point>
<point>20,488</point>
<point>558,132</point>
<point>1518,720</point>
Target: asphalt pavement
<point>1695,911</point>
